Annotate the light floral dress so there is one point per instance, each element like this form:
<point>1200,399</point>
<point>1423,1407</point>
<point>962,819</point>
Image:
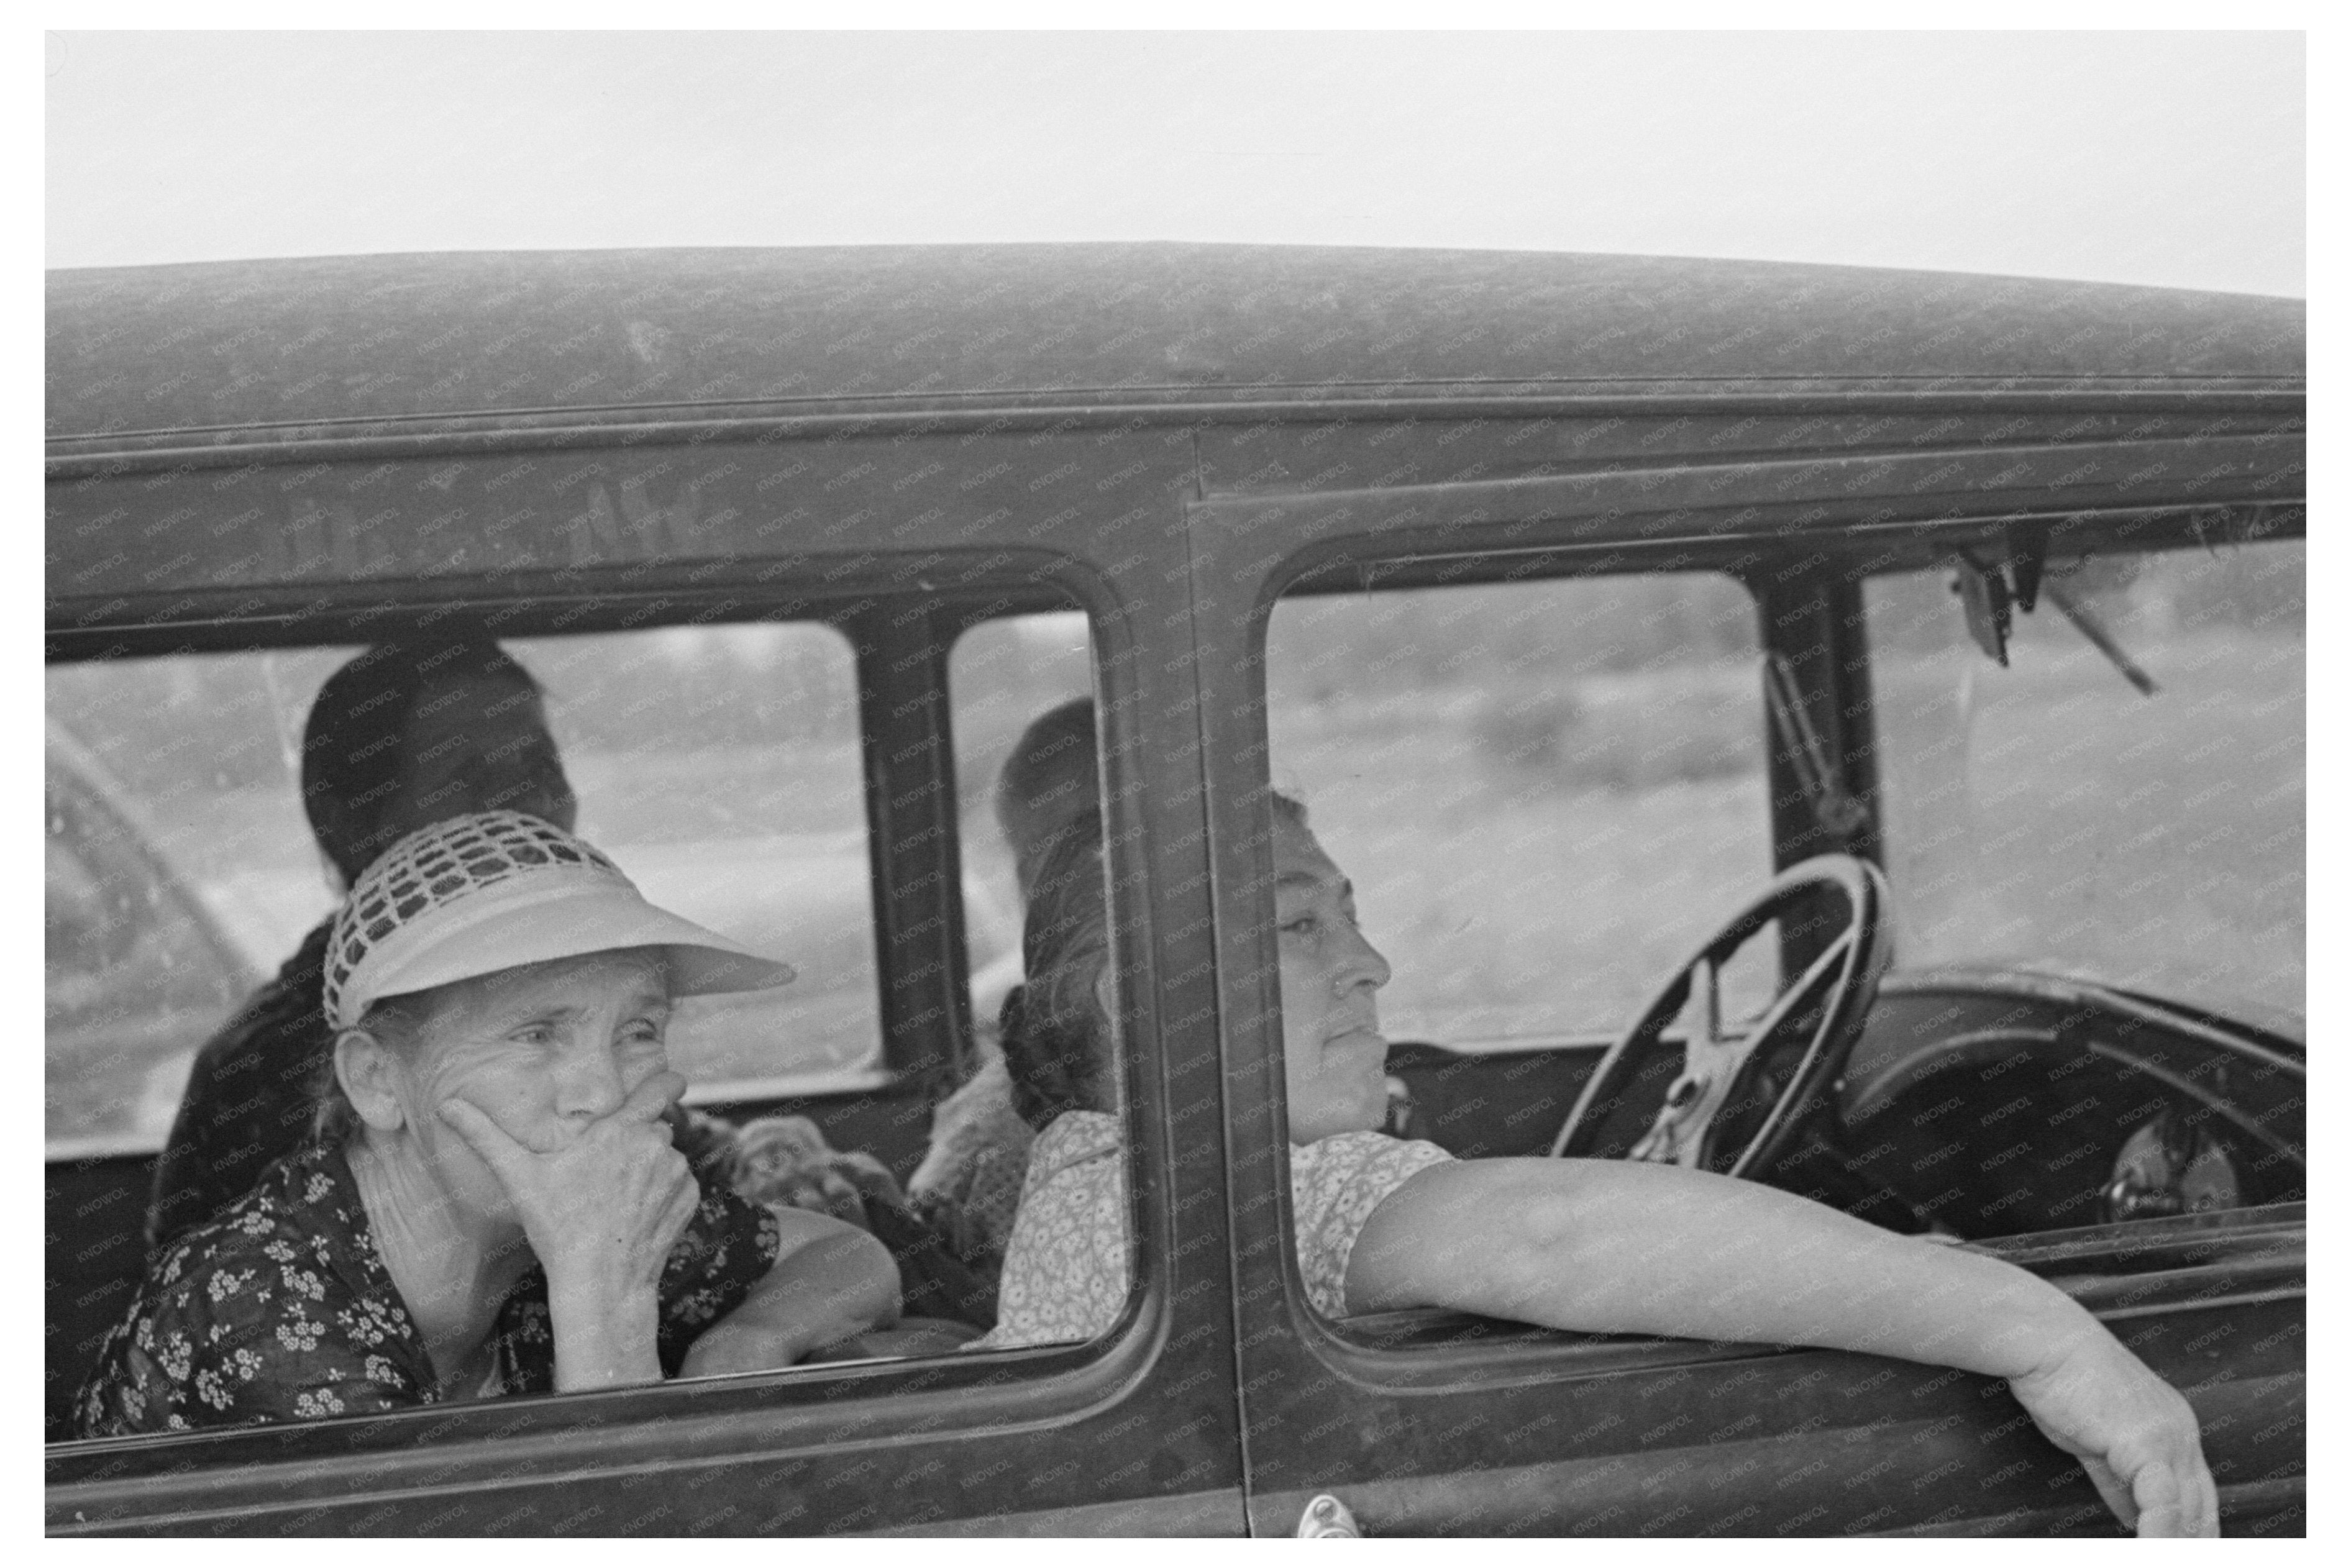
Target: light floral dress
<point>1066,1269</point>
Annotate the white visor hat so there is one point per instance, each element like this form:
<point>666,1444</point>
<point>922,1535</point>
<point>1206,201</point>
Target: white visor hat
<point>496,890</point>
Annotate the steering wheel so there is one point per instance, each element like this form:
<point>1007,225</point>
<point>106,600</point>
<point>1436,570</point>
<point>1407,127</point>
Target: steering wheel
<point>1726,1078</point>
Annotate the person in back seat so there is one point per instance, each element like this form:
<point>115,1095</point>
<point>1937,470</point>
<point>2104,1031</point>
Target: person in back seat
<point>490,1203</point>
<point>948,1226</point>
<point>403,736</point>
<point>407,734</point>
<point>969,1181</point>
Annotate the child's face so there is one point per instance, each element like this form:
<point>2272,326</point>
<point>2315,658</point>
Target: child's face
<point>1333,1058</point>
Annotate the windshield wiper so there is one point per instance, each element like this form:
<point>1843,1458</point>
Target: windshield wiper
<point>2100,638</point>
<point>1987,592</point>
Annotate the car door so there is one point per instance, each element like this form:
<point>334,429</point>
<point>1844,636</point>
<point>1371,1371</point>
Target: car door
<point>1432,1423</point>
<point>1135,1433</point>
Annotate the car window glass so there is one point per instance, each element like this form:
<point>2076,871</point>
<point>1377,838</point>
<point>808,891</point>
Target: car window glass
<point>172,788</point>
<point>718,766</point>
<point>1026,766</point>
<point>133,963</point>
<point>2050,813</point>
<point>1545,794</point>
<point>1002,675</point>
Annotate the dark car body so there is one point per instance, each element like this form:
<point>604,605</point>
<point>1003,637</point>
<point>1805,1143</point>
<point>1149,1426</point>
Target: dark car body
<point>904,443</point>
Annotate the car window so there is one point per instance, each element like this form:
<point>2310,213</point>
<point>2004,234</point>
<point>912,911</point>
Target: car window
<point>134,965</point>
<point>718,766</point>
<point>1028,767</point>
<point>2052,813</point>
<point>721,767</point>
<point>1545,794</point>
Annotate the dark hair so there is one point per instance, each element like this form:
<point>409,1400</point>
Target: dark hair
<point>1057,1040</point>
<point>1055,755</point>
<point>353,746</point>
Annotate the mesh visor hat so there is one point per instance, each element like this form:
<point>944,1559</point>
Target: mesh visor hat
<point>496,890</point>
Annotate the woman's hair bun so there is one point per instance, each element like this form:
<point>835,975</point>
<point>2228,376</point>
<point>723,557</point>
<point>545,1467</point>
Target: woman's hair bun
<point>1056,1044</point>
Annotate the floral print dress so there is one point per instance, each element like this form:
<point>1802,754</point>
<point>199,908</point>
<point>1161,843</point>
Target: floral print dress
<point>1066,1269</point>
<point>281,1309</point>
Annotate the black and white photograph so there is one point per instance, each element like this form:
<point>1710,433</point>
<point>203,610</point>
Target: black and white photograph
<point>1175,783</point>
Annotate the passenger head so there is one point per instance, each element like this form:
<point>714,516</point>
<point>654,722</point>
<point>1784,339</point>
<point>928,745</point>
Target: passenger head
<point>1057,1035</point>
<point>1049,779</point>
<point>497,958</point>
<point>1056,1025</point>
<point>1333,1058</point>
<point>412,732</point>
<point>543,1049</point>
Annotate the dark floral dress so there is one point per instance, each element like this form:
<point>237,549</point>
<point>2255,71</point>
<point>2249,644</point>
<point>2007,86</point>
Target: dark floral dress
<point>281,1309</point>
<point>249,1098</point>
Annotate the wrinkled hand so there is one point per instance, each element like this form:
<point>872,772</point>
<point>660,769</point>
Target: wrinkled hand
<point>2132,1431</point>
<point>606,1209</point>
<point>786,1160</point>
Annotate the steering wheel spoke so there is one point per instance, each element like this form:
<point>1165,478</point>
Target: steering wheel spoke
<point>1727,1078</point>
<point>1712,1061</point>
<point>1706,978</point>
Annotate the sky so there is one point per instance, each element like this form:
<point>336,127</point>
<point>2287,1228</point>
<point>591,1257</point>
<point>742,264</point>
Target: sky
<point>2163,158</point>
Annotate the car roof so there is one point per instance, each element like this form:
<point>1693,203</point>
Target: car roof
<point>221,352</point>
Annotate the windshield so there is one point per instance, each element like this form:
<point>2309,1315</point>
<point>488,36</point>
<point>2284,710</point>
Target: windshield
<point>2048,814</point>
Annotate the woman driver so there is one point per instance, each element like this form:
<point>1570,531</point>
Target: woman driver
<point>1600,1246</point>
<point>498,991</point>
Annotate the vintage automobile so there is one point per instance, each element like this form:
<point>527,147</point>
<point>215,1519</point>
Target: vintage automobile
<point>1922,652</point>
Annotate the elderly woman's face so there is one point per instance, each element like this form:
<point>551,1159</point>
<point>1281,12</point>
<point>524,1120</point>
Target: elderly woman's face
<point>1335,1059</point>
<point>543,1049</point>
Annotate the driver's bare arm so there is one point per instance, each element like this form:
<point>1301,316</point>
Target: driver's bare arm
<point>831,1280</point>
<point>1612,1247</point>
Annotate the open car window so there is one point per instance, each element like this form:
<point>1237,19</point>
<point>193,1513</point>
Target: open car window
<point>1544,793</point>
<point>1536,798</point>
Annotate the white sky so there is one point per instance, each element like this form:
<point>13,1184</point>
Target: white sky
<point>2165,158</point>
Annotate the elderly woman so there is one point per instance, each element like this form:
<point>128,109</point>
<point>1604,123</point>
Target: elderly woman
<point>403,736</point>
<point>1601,1246</point>
<point>493,1204</point>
